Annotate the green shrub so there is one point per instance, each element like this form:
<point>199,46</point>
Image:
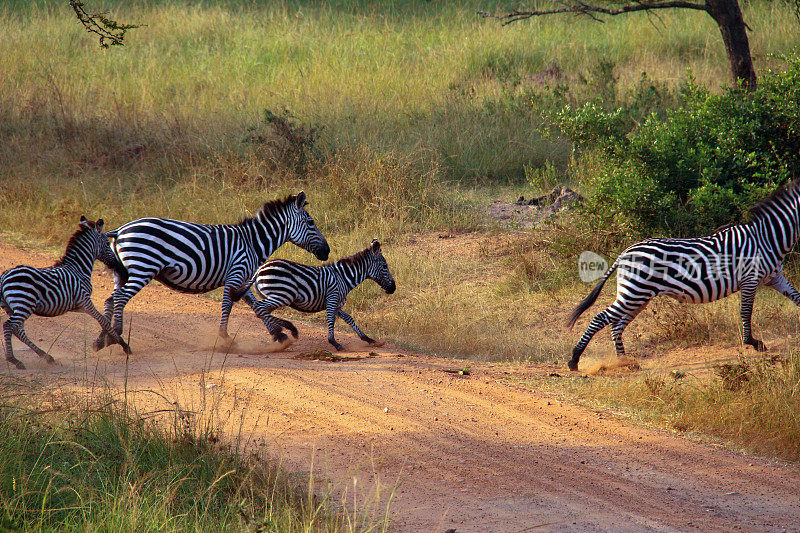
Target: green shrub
<point>700,166</point>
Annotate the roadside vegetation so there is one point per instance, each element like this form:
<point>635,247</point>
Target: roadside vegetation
<point>402,121</point>
<point>71,463</point>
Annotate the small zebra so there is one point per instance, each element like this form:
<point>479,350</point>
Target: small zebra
<point>197,258</point>
<point>311,289</point>
<point>702,269</point>
<point>52,291</point>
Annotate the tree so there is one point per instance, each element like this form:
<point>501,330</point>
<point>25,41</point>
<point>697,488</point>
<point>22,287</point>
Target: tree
<point>726,13</point>
<point>110,31</point>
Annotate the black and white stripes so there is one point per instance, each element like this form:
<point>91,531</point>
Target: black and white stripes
<point>703,269</point>
<point>52,291</point>
<point>197,258</point>
<point>311,289</point>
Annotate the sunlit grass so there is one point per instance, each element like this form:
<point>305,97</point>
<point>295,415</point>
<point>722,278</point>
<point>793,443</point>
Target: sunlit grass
<point>71,463</point>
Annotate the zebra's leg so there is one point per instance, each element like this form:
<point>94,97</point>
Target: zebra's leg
<point>263,310</point>
<point>15,325</point>
<point>748,297</point>
<point>227,306</point>
<point>781,284</point>
<point>282,322</point>
<point>8,331</point>
<point>332,310</point>
<point>108,309</point>
<point>619,326</point>
<point>352,323</point>
<point>235,289</point>
<point>611,314</point>
<point>88,307</point>
<point>135,282</point>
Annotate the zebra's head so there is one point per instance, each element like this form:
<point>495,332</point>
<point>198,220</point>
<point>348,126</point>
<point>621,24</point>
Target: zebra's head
<point>85,245</point>
<point>377,269</point>
<point>302,230</point>
<point>99,240</point>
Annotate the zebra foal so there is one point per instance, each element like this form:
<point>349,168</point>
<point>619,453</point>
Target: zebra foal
<point>52,291</point>
<point>311,289</point>
<point>702,269</point>
<point>197,258</point>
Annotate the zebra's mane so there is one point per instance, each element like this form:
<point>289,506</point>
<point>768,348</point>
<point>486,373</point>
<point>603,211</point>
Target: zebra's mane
<point>72,240</point>
<point>356,258</point>
<point>783,192</point>
<point>272,207</point>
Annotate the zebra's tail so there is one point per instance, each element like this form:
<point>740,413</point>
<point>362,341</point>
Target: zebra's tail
<point>587,302</point>
<point>112,234</point>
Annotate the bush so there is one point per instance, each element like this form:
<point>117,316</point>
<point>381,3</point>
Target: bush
<point>703,164</point>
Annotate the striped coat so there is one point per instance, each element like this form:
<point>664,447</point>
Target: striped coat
<point>52,291</point>
<point>311,289</point>
<point>703,269</point>
<point>197,258</point>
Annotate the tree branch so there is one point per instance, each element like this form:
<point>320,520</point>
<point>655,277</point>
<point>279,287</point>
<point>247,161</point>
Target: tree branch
<point>110,31</point>
<point>581,8</point>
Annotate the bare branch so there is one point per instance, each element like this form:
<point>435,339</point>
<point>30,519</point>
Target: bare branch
<point>581,8</point>
<point>110,31</point>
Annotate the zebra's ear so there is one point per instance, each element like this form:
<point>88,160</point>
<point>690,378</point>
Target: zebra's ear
<point>301,199</point>
<point>84,222</point>
<point>99,225</point>
<point>375,246</point>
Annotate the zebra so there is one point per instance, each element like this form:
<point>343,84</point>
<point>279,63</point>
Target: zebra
<point>702,269</point>
<point>52,291</point>
<point>313,288</point>
<point>197,258</point>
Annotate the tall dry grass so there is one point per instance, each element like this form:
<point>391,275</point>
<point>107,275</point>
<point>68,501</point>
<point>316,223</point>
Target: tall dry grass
<point>401,120</point>
<point>752,402</point>
<point>69,463</point>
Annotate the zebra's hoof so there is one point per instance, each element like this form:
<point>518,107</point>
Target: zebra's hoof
<point>757,345</point>
<point>17,363</point>
<point>339,347</point>
<point>572,365</point>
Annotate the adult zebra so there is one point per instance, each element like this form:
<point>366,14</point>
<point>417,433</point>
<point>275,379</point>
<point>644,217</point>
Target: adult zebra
<point>197,258</point>
<point>702,269</point>
<point>52,291</point>
<point>315,288</point>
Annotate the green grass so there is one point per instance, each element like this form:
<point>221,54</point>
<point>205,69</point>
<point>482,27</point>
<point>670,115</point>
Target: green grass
<point>401,120</point>
<point>391,76</point>
<point>102,466</point>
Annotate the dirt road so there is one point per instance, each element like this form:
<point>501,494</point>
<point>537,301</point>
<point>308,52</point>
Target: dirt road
<point>472,453</point>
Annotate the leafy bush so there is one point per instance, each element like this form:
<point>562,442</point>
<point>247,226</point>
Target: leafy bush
<point>701,165</point>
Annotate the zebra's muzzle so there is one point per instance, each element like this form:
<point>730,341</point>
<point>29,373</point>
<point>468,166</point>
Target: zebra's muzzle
<point>323,252</point>
<point>390,288</point>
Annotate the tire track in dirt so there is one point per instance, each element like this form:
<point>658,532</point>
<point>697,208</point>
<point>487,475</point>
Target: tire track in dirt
<point>474,454</point>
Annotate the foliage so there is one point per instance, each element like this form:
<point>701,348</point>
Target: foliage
<point>286,142</point>
<point>110,32</point>
<point>703,165</point>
